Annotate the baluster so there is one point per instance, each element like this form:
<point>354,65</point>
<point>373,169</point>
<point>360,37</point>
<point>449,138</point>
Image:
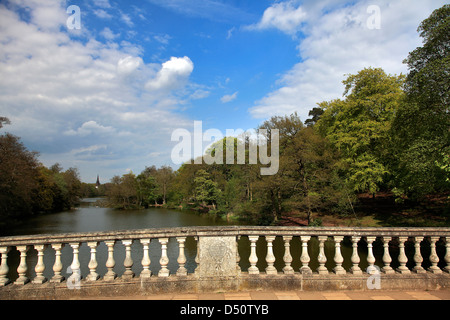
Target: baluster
<point>287,258</point>
<point>270,258</point>
<point>304,258</point>
<point>370,257</point>
<point>164,261</point>
<point>40,267</point>
<point>402,258</point>
<point>75,266</point>
<point>93,275</point>
<point>57,266</point>
<point>386,256</point>
<point>418,256</point>
<point>322,258</point>
<point>22,268</point>
<point>128,262</point>
<point>182,271</point>
<point>447,254</point>
<point>355,269</point>
<point>146,273</point>
<point>4,266</point>
<point>110,263</point>
<point>434,259</point>
<point>253,259</point>
<point>338,259</point>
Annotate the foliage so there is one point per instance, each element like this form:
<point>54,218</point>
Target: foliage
<point>28,187</point>
<point>420,129</point>
<point>359,126</point>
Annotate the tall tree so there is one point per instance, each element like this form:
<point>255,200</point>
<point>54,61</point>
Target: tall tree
<point>18,169</point>
<point>359,126</point>
<point>421,126</point>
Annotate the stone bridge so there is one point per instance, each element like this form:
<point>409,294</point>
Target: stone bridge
<point>236,258</point>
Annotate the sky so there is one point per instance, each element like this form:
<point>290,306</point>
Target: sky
<point>103,87</point>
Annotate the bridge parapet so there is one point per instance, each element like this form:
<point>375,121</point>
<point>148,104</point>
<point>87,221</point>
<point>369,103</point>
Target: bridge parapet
<point>219,259</point>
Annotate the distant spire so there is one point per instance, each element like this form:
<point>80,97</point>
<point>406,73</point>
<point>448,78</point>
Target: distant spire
<point>97,184</point>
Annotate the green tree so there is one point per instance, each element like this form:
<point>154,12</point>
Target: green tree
<point>420,129</point>
<point>18,169</point>
<point>359,126</point>
<point>206,190</point>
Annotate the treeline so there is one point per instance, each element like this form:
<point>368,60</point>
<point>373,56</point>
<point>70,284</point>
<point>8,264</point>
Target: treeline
<point>387,133</point>
<point>28,187</point>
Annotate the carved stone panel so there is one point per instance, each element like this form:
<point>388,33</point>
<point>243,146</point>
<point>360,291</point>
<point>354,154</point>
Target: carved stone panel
<point>217,257</point>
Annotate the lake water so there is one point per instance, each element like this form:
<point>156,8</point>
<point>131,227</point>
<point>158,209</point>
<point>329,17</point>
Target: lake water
<point>89,217</point>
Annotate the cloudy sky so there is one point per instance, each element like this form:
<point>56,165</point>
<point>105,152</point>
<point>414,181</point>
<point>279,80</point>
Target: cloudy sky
<point>106,97</point>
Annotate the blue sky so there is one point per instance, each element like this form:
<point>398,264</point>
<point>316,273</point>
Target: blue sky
<point>106,98</point>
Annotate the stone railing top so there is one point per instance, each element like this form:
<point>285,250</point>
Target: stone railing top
<point>222,231</point>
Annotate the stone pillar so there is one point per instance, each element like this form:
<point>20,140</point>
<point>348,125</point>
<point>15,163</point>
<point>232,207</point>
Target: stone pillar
<point>128,262</point>
<point>322,258</point>
<point>93,275</point>
<point>338,259</point>
<point>57,266</point>
<point>434,259</point>
<point>270,258</point>
<point>164,261</point>
<point>4,266</point>
<point>75,266</point>
<point>370,257</point>
<point>253,259</point>
<point>304,258</point>
<point>22,268</point>
<point>287,258</point>
<point>182,271</point>
<point>110,263</point>
<point>355,269</point>
<point>146,273</point>
<point>402,258</point>
<point>387,257</point>
<point>418,256</point>
<point>40,267</point>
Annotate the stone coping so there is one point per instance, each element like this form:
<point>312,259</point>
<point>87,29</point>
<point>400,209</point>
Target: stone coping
<point>223,231</point>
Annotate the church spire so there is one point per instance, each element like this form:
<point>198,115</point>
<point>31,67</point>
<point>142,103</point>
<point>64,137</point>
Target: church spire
<point>97,184</point>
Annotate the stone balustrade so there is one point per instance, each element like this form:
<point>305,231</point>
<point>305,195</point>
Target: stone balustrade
<point>220,255</point>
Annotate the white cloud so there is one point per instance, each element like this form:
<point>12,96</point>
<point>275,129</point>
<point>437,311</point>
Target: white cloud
<point>108,34</point>
<point>102,3</point>
<point>284,16</point>
<point>126,18</point>
<point>337,42</point>
<point>102,14</point>
<point>172,75</point>
<point>128,65</point>
<point>229,97</point>
<point>91,127</point>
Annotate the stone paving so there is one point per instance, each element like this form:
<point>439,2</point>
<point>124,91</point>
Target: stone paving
<point>296,295</point>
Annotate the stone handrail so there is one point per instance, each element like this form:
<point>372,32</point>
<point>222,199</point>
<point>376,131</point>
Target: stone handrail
<point>218,254</point>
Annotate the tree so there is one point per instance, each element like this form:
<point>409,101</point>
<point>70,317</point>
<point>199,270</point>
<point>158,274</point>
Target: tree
<point>206,190</point>
<point>18,169</point>
<point>147,189</point>
<point>315,114</point>
<point>164,177</point>
<point>420,129</point>
<point>359,126</point>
